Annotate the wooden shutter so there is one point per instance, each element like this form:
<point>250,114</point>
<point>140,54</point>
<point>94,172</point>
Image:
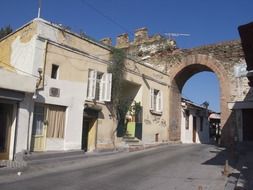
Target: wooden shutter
<point>92,85</point>
<point>152,102</point>
<point>108,87</point>
<point>105,87</point>
<point>159,102</point>
<point>102,88</point>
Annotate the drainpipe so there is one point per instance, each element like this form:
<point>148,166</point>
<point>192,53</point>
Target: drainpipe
<point>44,64</point>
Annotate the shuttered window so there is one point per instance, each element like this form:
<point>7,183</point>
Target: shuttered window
<point>99,86</point>
<point>92,85</point>
<point>156,100</point>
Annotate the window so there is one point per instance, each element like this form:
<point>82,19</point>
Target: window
<point>38,119</point>
<point>99,86</point>
<point>156,100</point>
<point>54,72</point>
<point>55,116</point>
<point>51,115</point>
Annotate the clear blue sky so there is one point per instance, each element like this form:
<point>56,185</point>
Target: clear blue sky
<point>207,22</point>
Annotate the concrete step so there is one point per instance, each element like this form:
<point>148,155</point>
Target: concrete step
<point>129,137</point>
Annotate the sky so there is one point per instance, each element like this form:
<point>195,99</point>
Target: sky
<point>206,22</point>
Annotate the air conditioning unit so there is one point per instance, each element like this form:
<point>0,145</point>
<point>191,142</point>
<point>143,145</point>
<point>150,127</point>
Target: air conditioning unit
<point>54,92</point>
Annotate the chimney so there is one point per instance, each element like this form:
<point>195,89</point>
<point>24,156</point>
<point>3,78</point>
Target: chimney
<point>141,35</point>
<point>106,41</point>
<point>122,40</point>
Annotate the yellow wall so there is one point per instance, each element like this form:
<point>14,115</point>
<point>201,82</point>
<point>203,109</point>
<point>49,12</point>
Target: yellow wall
<point>26,33</point>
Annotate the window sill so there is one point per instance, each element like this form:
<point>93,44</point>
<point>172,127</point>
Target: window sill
<point>156,112</point>
<point>95,102</point>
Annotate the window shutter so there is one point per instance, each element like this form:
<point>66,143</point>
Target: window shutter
<point>152,99</point>
<point>160,101</point>
<point>92,84</point>
<point>105,87</point>
<point>102,88</point>
<point>108,87</point>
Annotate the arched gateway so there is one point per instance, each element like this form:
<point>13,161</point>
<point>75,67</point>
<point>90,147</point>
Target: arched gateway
<point>221,59</point>
<point>188,66</point>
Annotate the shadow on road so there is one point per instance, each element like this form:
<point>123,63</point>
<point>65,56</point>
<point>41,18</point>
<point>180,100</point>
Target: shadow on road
<point>220,155</point>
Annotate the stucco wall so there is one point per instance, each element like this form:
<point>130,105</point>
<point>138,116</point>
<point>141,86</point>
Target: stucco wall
<point>187,134</point>
<point>23,122</point>
<point>72,96</point>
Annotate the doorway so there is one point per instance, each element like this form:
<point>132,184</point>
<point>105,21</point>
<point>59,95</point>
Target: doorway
<point>6,121</point>
<point>89,134</point>
<point>247,124</point>
<point>194,129</point>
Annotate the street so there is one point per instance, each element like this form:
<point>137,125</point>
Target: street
<point>170,167</point>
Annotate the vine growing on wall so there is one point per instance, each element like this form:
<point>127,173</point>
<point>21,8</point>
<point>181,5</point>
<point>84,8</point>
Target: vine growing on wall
<point>120,103</point>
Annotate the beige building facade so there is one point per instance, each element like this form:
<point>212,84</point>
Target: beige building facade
<point>66,92</point>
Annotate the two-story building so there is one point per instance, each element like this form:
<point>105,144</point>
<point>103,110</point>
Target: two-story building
<point>56,92</point>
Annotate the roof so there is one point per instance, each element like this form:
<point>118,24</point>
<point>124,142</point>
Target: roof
<point>214,116</point>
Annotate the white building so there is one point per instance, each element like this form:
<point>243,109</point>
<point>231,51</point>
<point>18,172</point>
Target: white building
<point>194,123</point>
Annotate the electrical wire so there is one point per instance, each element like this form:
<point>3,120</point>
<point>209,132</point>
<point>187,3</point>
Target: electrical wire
<point>19,69</point>
<point>105,16</point>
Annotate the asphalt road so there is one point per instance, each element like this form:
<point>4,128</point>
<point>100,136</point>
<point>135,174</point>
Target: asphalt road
<point>173,167</point>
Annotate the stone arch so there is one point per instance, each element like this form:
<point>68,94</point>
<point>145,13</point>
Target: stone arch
<point>180,73</point>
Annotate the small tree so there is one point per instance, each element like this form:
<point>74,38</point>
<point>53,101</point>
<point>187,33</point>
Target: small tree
<point>4,31</point>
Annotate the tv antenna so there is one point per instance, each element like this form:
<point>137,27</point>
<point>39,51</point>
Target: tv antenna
<point>39,7</point>
<point>170,35</point>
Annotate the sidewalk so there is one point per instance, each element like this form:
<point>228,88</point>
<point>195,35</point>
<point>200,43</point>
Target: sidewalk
<point>245,164</point>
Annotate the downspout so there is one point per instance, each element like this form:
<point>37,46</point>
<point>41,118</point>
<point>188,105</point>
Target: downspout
<point>44,64</point>
<point>41,77</point>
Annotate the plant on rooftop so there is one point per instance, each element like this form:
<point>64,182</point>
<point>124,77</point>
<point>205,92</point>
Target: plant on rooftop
<point>4,31</point>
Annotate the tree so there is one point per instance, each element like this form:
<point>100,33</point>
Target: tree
<point>120,103</point>
<point>4,31</point>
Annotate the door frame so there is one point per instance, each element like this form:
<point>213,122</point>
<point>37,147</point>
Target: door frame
<point>8,155</point>
<point>91,134</point>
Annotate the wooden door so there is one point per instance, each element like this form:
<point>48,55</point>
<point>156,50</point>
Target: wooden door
<point>39,129</point>
<point>92,135</point>
<point>89,134</point>
<point>6,120</point>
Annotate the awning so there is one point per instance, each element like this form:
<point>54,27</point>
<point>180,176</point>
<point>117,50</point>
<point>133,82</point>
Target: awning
<point>12,95</point>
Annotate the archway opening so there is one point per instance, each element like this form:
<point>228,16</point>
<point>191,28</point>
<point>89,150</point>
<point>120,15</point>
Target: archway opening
<point>203,87</point>
<point>200,109</point>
